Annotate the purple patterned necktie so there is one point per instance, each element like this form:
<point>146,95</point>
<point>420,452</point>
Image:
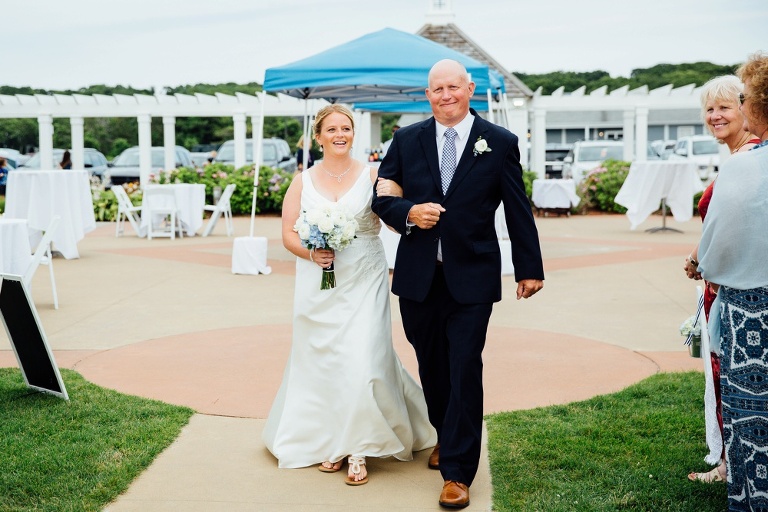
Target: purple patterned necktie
<point>448,160</point>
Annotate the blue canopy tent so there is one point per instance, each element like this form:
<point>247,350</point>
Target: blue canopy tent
<point>384,66</point>
<point>385,71</point>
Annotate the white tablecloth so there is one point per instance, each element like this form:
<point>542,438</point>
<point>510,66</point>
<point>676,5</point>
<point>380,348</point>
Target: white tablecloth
<point>39,195</point>
<point>249,255</point>
<point>15,250</point>
<point>390,239</point>
<point>190,200</point>
<point>554,194</point>
<point>650,182</point>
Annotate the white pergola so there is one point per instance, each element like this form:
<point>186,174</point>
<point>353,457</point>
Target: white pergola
<point>76,107</point>
<point>663,106</point>
<point>595,110</point>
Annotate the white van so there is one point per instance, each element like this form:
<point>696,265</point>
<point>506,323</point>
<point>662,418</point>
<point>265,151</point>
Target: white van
<point>586,155</point>
<point>704,150</point>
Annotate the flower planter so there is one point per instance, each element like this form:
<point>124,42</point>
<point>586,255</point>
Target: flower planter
<point>694,349</point>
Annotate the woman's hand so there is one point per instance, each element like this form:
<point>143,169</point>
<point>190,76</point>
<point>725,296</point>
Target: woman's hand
<point>323,257</point>
<point>388,188</point>
<point>690,268</point>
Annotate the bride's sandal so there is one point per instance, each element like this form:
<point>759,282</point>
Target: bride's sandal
<point>709,477</point>
<point>356,465</point>
<point>330,467</point>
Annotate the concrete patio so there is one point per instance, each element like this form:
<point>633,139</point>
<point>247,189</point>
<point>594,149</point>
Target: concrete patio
<point>166,319</point>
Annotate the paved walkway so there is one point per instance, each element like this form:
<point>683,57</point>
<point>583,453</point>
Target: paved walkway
<point>168,320</point>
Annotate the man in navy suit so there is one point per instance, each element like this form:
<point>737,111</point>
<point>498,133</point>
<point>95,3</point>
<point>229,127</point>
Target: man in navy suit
<point>455,169</point>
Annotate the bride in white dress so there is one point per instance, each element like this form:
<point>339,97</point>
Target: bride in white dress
<point>344,391</point>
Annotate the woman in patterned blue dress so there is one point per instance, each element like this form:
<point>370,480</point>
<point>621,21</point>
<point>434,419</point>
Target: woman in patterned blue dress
<point>734,254</point>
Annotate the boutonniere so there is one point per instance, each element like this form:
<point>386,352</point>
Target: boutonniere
<point>481,146</point>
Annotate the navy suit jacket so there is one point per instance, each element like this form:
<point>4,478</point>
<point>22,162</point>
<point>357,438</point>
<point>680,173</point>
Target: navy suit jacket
<point>466,230</point>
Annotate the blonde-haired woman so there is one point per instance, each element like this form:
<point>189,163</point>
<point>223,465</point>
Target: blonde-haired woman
<point>344,391</point>
<point>300,155</point>
<point>720,110</point>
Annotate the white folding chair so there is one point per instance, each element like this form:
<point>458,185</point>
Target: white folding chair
<point>222,207</point>
<point>43,256</point>
<point>126,210</point>
<point>159,204</point>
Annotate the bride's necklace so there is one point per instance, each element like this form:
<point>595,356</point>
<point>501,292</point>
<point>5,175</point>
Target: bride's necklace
<point>337,176</point>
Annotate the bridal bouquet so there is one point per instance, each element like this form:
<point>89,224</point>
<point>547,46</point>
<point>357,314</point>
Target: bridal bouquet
<point>330,227</point>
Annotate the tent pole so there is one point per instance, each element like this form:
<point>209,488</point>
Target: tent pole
<point>258,135</point>
<point>305,138</point>
<point>506,110</point>
<point>490,106</point>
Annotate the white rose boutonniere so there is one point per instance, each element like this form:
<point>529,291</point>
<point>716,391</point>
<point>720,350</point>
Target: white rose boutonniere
<point>481,146</point>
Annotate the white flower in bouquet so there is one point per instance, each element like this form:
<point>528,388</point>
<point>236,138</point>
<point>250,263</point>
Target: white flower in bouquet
<point>326,225</point>
<point>338,217</point>
<point>303,230</point>
<point>313,216</point>
<point>348,231</point>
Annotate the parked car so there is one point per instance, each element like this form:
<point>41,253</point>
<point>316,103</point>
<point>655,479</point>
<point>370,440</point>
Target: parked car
<point>585,155</point>
<point>200,158</point>
<point>651,154</point>
<point>704,150</point>
<point>93,160</point>
<point>663,148</point>
<point>12,156</point>
<point>553,160</point>
<point>276,153</point>
<point>125,168</point>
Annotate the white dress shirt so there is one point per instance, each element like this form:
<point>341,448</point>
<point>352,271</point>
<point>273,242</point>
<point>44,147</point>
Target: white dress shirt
<point>462,134</point>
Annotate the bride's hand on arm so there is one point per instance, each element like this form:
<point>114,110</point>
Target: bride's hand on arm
<point>388,188</point>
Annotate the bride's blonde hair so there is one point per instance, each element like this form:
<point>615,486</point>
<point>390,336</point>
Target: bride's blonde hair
<point>328,110</point>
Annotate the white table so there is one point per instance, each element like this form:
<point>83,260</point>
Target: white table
<point>39,195</point>
<point>391,239</point>
<point>15,249</point>
<point>654,183</point>
<point>554,194</point>
<point>190,201</point>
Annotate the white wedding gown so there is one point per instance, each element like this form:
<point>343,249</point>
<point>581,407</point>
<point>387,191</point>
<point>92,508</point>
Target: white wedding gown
<point>344,390</point>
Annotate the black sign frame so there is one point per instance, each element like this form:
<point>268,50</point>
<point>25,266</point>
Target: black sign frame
<point>25,332</point>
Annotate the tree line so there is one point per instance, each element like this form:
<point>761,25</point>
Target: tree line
<point>112,135</point>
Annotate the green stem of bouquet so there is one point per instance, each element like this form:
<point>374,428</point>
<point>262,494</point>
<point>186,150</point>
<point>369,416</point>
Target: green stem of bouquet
<point>329,279</point>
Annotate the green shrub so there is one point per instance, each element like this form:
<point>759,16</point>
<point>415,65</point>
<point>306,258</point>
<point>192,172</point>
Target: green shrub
<point>2,204</point>
<point>105,202</point>
<point>600,186</point>
<point>528,177</point>
<point>273,183</point>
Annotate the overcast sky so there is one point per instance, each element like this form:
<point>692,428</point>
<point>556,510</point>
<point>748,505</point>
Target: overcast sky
<point>69,44</point>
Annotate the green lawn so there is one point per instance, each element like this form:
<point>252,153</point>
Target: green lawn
<point>630,450</point>
<point>77,455</point>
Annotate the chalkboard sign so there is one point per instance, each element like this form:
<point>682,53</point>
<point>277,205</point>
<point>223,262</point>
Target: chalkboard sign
<point>27,337</point>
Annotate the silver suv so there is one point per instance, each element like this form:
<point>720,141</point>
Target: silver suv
<point>585,155</point>
<point>94,161</point>
<point>275,153</point>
